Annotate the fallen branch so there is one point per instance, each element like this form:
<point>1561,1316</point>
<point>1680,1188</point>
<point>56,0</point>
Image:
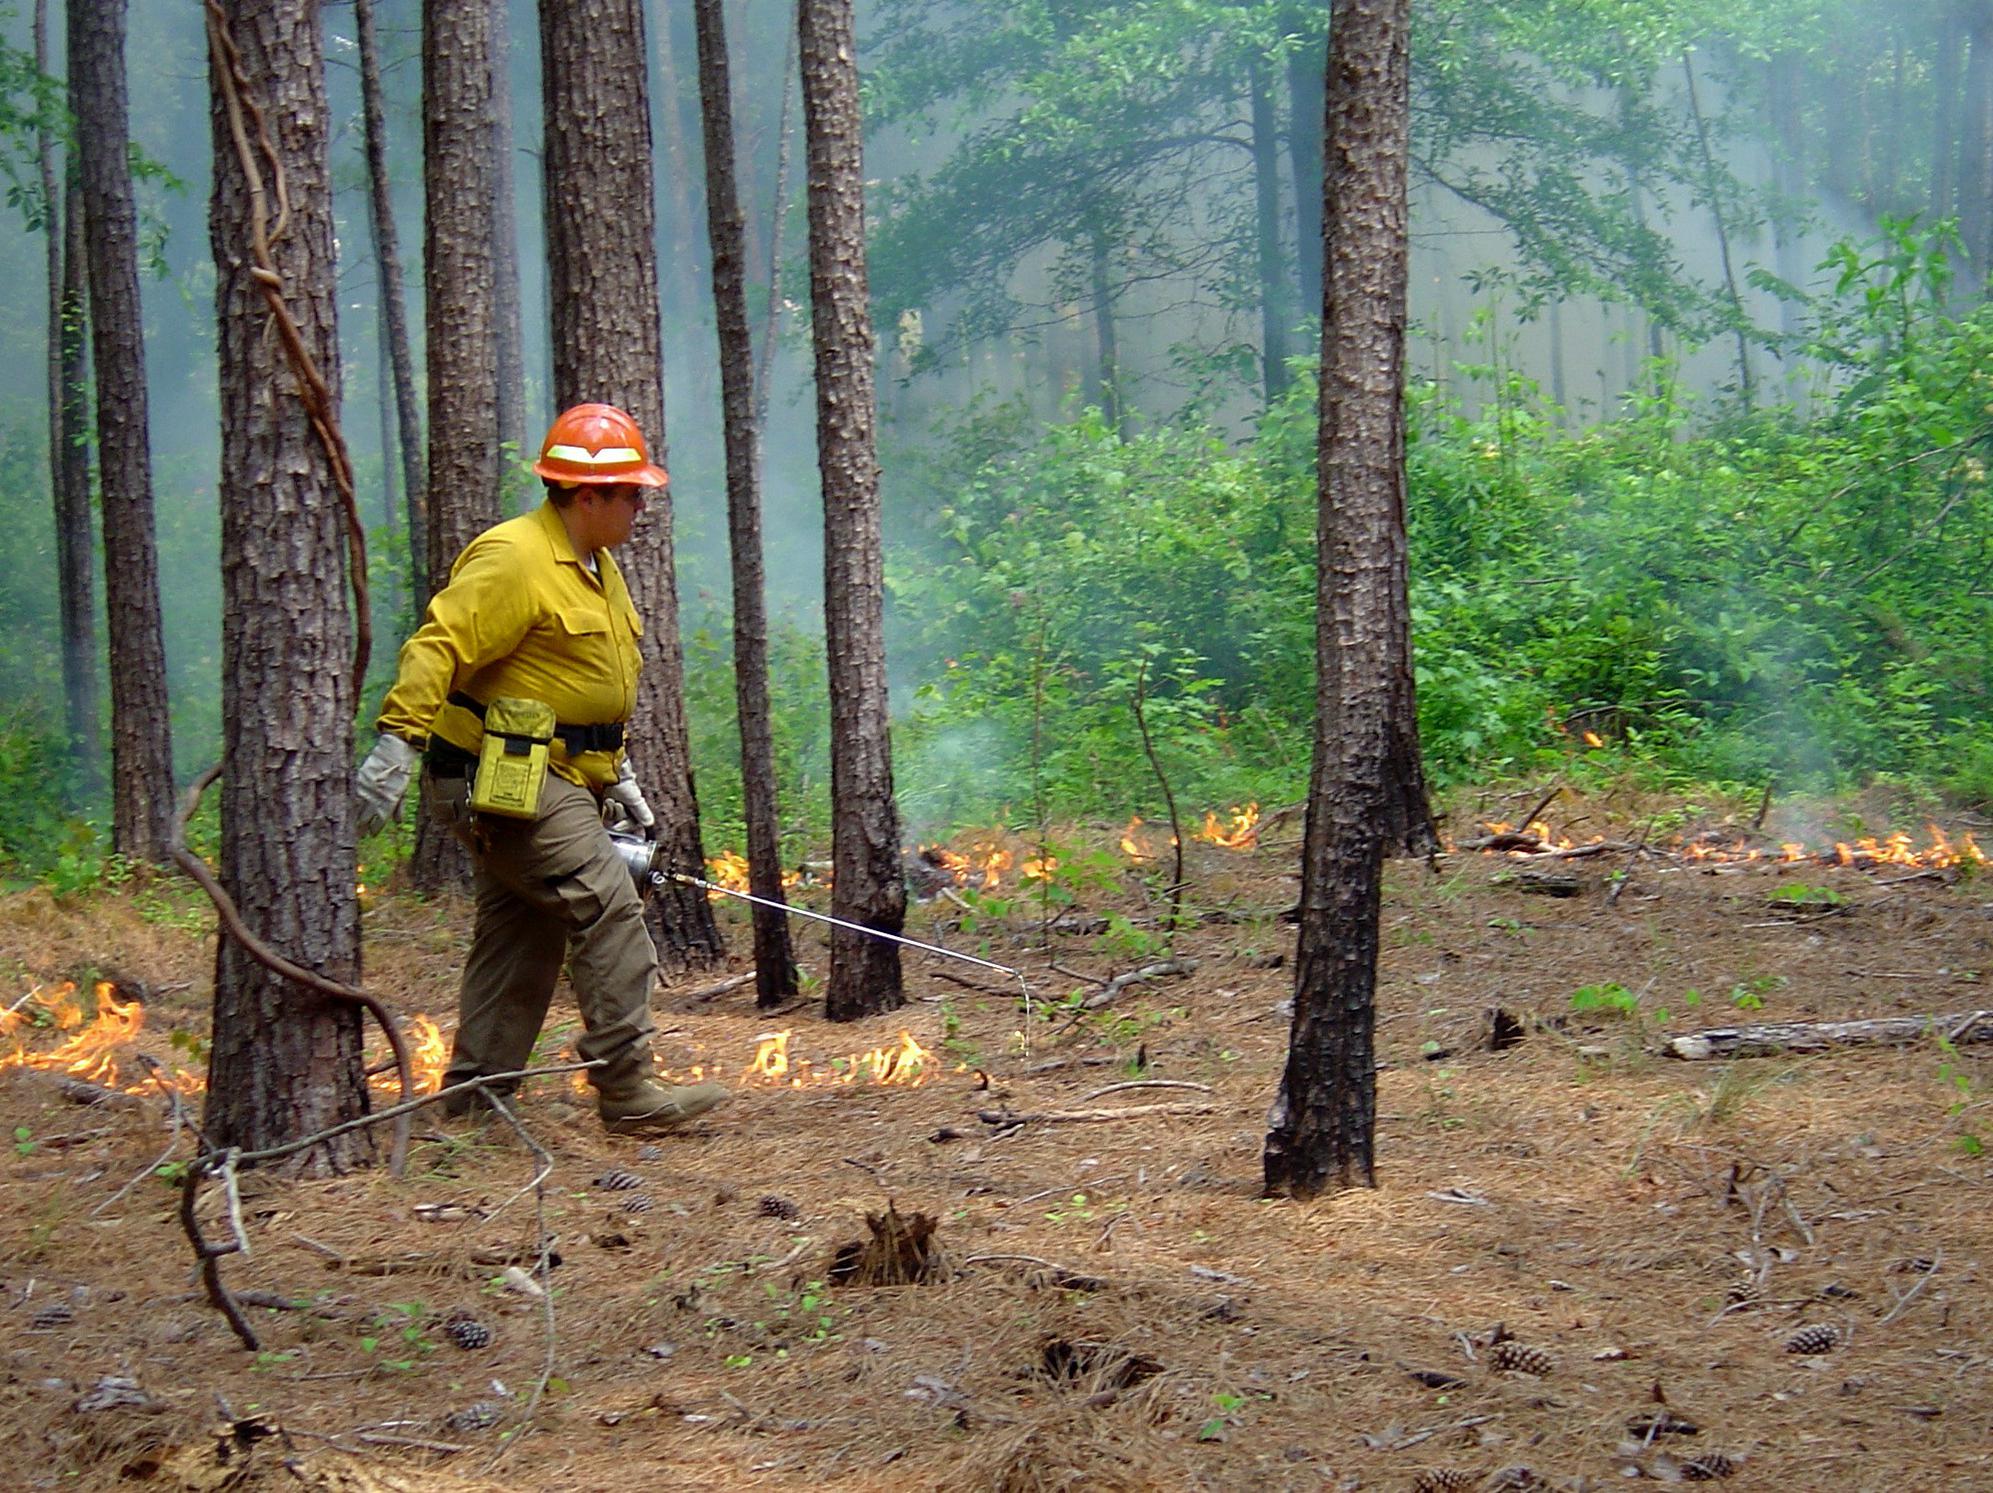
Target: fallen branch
<point>1145,1083</point>
<point>720,987</point>
<point>1114,987</point>
<point>1003,1118</point>
<point>1772,1037</point>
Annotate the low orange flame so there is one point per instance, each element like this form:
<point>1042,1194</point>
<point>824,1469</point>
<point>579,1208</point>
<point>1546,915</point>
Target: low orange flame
<point>428,1056</point>
<point>907,1064</point>
<point>1897,849</point>
<point>91,1053</point>
<point>1240,832</point>
<point>984,868</point>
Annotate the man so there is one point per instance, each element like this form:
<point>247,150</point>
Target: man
<point>536,609</point>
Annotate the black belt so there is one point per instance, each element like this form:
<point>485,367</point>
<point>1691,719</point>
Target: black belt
<point>606,737</point>
<point>445,759</point>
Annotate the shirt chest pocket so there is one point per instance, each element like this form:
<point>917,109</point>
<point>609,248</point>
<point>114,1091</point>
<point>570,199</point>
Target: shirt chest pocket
<point>584,625</point>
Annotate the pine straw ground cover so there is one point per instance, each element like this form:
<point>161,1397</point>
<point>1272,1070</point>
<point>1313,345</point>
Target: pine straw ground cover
<point>1115,1306</point>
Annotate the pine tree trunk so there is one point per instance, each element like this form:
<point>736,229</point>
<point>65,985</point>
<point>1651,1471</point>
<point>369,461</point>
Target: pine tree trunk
<point>1950,48</point>
<point>68,467</point>
<point>1975,183</point>
<point>142,799</point>
<point>512,431</point>
<point>1304,151</point>
<point>459,303</point>
<point>76,550</point>
<point>1367,790</point>
<point>774,957</point>
<point>285,1061</point>
<point>1103,387</point>
<point>868,886</point>
<point>602,280</point>
<point>394,308</point>
<point>1274,317</point>
<point>678,282</point>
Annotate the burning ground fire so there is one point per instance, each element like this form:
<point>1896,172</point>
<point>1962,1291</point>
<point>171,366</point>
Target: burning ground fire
<point>98,1051</point>
<point>1898,849</point>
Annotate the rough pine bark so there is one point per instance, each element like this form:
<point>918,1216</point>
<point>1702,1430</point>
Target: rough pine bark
<point>602,284</point>
<point>76,550</point>
<point>774,957</point>
<point>285,1062</point>
<point>68,458</point>
<point>511,354</point>
<point>1367,789</point>
<point>459,306</point>
<point>142,800</point>
<point>868,886</point>
<point>394,307</point>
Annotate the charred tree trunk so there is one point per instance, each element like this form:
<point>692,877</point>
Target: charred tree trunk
<point>511,351</point>
<point>1274,317</point>
<point>865,829</point>
<point>1367,791</point>
<point>394,308</point>
<point>774,958</point>
<point>458,307</point>
<point>141,742</point>
<point>602,280</point>
<point>286,1061</point>
<point>68,457</point>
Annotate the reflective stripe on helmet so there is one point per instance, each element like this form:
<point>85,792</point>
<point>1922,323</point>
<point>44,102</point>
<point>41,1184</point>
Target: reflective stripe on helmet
<point>607,456</point>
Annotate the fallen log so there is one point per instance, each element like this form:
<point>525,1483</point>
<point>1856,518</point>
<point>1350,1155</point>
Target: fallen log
<point>1770,1037</point>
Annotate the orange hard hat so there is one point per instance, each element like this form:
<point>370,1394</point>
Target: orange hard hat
<point>597,445</point>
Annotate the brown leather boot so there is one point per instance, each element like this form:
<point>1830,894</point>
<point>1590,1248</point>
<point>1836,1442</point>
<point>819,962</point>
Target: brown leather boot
<point>646,1106</point>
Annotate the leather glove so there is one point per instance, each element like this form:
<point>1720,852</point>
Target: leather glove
<point>382,780</point>
<point>623,799</point>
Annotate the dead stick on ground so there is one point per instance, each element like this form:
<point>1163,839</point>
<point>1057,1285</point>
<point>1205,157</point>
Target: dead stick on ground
<point>1903,1301</point>
<point>1088,1116</point>
<point>719,987</point>
<point>1113,988</point>
<point>1146,1083</point>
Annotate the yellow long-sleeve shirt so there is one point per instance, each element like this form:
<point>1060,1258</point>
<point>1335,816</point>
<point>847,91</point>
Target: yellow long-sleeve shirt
<point>522,616</point>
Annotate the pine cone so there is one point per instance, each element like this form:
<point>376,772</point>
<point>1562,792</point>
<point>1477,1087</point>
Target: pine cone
<point>639,1203</point>
<point>1820,1337</point>
<point>1707,1468</point>
<point>1445,1480</point>
<point>477,1416</point>
<point>468,1333</point>
<point>1519,1358</point>
<point>618,1180</point>
<point>48,1318</point>
<point>775,1207</point>
<point>650,1153</point>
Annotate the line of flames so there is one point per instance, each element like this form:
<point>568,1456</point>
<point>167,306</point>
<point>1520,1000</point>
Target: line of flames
<point>95,1049</point>
<point>1896,849</point>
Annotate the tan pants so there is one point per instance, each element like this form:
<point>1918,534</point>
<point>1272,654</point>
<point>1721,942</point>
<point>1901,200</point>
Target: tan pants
<point>549,889</point>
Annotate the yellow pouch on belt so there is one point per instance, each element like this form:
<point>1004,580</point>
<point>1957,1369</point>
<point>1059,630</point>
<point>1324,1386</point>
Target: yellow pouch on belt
<point>512,763</point>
